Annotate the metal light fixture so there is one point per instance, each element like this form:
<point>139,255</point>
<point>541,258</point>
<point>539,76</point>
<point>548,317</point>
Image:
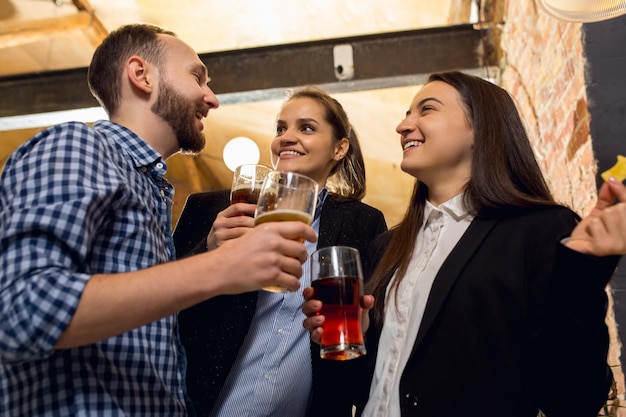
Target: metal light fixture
<point>584,11</point>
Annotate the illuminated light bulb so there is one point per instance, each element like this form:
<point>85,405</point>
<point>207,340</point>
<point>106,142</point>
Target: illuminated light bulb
<point>240,150</point>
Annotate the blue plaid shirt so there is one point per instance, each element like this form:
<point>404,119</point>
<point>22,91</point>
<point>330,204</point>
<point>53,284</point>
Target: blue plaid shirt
<point>77,201</point>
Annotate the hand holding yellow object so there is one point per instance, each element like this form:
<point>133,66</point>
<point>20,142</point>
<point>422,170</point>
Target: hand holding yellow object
<point>617,171</point>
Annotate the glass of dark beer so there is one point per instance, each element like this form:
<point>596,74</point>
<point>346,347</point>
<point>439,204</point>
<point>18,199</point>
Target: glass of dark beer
<point>247,181</point>
<point>286,196</point>
<point>337,277</point>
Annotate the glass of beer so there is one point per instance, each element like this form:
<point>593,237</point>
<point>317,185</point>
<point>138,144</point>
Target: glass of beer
<point>247,181</point>
<point>337,277</point>
<point>286,196</point>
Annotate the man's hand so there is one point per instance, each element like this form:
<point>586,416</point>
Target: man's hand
<point>603,231</point>
<point>270,254</point>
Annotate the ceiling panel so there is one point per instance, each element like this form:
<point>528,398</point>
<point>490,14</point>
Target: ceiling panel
<point>208,26</point>
<point>38,37</point>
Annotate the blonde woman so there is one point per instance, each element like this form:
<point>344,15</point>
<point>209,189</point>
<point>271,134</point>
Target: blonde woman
<point>248,355</point>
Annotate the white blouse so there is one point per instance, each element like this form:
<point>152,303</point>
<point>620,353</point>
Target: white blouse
<point>442,229</point>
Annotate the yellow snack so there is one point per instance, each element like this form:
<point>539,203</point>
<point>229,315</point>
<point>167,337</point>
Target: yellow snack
<point>617,171</point>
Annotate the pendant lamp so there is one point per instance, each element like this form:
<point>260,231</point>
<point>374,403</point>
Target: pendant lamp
<point>584,11</point>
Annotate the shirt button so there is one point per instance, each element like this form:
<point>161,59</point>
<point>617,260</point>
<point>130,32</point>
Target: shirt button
<point>266,377</point>
<point>159,165</point>
<point>410,400</point>
<point>163,193</point>
<point>281,331</point>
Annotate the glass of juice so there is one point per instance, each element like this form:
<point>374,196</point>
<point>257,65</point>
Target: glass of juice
<point>337,278</point>
<point>286,196</point>
<point>247,181</point>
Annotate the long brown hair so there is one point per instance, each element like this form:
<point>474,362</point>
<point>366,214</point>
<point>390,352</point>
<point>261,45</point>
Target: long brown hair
<point>104,74</point>
<point>505,175</point>
<point>347,178</point>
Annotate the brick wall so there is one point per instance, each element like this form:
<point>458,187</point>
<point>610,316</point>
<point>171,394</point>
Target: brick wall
<point>543,67</point>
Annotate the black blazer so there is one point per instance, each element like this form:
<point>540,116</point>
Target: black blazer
<point>212,345</point>
<point>196,219</point>
<point>514,323</point>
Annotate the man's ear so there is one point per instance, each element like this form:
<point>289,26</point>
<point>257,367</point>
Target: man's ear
<point>139,74</point>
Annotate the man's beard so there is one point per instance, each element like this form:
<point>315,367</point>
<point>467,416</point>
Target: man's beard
<point>181,116</point>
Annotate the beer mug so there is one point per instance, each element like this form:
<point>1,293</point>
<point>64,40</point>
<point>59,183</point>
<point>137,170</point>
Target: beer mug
<point>247,181</point>
<point>286,196</point>
<point>337,279</point>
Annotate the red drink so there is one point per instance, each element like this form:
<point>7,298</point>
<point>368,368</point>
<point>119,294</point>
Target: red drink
<point>245,195</point>
<point>342,338</point>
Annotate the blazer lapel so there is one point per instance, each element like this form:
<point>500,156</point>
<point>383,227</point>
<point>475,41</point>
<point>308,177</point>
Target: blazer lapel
<point>450,271</point>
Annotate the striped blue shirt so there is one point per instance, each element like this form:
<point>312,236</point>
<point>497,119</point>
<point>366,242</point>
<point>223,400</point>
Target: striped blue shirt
<point>272,374</point>
<point>77,201</point>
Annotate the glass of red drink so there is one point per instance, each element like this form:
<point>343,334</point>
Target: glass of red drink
<point>247,181</point>
<point>337,278</point>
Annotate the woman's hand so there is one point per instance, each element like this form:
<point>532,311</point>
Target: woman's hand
<point>231,223</point>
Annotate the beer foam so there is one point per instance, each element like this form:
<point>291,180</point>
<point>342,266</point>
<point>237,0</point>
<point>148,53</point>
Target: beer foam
<point>282,215</point>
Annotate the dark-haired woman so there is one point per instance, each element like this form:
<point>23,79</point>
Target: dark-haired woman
<point>479,306</point>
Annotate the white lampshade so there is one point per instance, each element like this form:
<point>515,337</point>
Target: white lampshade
<point>584,11</point>
<point>240,150</point>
